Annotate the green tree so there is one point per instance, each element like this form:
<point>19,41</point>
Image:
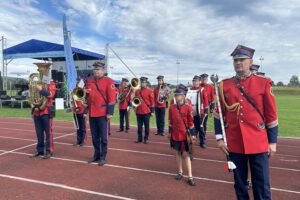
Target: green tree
<point>280,83</point>
<point>294,81</point>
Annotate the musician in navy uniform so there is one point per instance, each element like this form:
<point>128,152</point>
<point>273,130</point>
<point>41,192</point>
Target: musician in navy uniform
<point>101,101</point>
<point>249,109</point>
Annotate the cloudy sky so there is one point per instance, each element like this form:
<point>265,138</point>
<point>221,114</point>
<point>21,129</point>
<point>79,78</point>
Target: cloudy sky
<point>151,36</point>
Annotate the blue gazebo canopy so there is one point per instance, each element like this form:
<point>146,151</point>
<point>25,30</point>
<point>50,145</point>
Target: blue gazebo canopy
<point>38,49</point>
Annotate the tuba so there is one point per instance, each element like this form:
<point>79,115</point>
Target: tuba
<point>36,100</point>
<point>161,93</point>
<point>78,94</point>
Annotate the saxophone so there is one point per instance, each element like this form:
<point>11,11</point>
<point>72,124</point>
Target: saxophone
<point>36,100</point>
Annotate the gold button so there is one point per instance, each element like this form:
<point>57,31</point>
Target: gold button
<point>242,121</point>
<point>241,93</point>
<point>241,106</point>
<point>243,87</point>
<point>241,100</point>
<point>241,114</point>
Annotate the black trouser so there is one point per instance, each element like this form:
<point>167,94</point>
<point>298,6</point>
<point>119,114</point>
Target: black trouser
<point>81,132</point>
<point>143,119</point>
<point>124,114</point>
<point>43,124</point>
<point>160,119</point>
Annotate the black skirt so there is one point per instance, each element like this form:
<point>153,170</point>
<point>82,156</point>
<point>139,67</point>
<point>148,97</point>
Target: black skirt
<point>180,146</point>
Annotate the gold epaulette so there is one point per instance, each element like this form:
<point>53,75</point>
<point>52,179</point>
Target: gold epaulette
<point>261,76</point>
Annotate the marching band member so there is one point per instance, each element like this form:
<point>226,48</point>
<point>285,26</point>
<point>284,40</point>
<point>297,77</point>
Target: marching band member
<point>251,125</point>
<point>43,122</point>
<point>160,105</point>
<point>145,110</point>
<point>81,117</point>
<point>180,120</point>
<point>125,105</point>
<point>101,102</point>
<point>198,119</point>
<point>210,93</point>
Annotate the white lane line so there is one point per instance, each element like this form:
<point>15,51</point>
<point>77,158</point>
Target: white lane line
<point>31,130</point>
<point>33,144</point>
<point>159,172</point>
<point>148,153</point>
<point>63,186</point>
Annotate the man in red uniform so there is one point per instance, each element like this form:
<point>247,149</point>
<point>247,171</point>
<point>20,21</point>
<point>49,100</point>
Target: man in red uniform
<point>181,119</point>
<point>210,93</point>
<point>249,110</point>
<point>145,110</point>
<point>160,106</point>
<point>101,102</point>
<point>43,122</point>
<point>198,119</point>
<point>124,105</point>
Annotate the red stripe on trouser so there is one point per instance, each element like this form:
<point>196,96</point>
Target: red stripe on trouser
<point>51,136</point>
<point>128,114</point>
<point>85,122</point>
<point>182,146</point>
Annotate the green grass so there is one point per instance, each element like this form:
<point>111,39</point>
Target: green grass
<point>287,108</point>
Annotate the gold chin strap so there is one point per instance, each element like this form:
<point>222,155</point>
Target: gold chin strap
<point>232,108</point>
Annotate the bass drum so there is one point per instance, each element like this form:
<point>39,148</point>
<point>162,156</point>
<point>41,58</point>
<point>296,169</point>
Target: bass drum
<point>195,97</point>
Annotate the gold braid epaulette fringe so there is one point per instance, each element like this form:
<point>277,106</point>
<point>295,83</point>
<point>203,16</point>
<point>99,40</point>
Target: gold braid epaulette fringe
<point>232,108</point>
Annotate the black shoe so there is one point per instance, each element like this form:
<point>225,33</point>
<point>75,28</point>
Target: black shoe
<point>191,182</point>
<point>82,144</point>
<point>48,155</point>
<point>146,142</point>
<point>36,154</point>
<point>120,130</point>
<point>138,141</point>
<point>157,133</point>
<point>101,162</point>
<point>75,144</point>
<point>203,146</point>
<point>93,160</point>
<point>127,131</point>
<point>162,134</point>
<point>178,176</point>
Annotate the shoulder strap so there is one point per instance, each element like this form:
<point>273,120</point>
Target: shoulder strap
<point>100,91</point>
<point>186,128</point>
<point>248,98</point>
<point>144,99</point>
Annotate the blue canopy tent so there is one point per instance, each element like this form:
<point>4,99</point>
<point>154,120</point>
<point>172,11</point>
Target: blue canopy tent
<point>42,50</point>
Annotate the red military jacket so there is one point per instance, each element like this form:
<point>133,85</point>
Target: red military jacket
<point>210,90</point>
<point>158,105</point>
<point>96,104</point>
<point>175,121</point>
<point>246,132</point>
<point>204,98</point>
<point>149,98</point>
<point>124,104</point>
<point>51,88</point>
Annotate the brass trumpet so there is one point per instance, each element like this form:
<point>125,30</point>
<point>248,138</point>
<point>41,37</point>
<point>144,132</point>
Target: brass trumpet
<point>136,102</point>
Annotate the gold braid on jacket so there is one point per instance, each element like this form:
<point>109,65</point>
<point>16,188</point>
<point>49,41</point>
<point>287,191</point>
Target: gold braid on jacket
<point>232,108</point>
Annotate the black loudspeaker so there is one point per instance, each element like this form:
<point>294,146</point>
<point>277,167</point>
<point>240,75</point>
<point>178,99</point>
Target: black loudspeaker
<point>85,74</point>
<point>54,75</point>
<point>4,97</point>
<point>60,76</point>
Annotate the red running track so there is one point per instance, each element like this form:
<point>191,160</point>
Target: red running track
<point>133,171</point>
